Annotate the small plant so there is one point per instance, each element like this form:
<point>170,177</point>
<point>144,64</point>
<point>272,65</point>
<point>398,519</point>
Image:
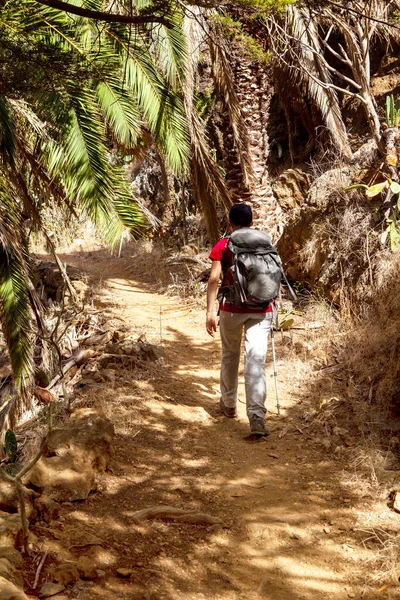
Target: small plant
<point>390,187</point>
<point>392,115</point>
<point>11,445</point>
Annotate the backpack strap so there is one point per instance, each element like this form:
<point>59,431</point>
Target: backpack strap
<point>292,293</point>
<point>243,250</point>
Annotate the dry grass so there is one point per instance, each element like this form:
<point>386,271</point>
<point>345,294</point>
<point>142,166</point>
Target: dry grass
<point>175,274</point>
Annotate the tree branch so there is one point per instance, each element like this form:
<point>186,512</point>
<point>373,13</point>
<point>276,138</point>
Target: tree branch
<point>105,16</point>
<point>361,14</point>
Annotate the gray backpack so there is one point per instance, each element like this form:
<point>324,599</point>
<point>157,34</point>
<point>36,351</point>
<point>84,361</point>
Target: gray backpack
<point>254,278</point>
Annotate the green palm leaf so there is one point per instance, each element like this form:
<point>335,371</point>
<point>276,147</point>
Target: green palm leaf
<point>120,113</point>
<point>14,299</point>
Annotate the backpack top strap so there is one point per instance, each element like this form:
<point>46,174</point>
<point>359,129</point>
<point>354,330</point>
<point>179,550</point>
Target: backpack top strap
<point>261,250</point>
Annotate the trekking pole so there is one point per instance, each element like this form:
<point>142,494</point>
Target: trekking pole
<point>278,406</point>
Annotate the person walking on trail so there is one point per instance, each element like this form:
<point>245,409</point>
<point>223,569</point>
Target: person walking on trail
<point>233,321</point>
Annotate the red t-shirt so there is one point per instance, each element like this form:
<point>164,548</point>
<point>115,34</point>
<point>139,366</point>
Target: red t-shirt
<point>224,255</point>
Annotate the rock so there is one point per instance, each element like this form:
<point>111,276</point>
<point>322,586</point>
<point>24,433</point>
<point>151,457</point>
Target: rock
<point>124,573</point>
<point>326,530</point>
<point>65,573</point>
<point>101,573</point>
<point>86,568</point>
<point>12,555</point>
<point>64,478</point>
<point>118,336</point>
<point>50,589</point>
<point>87,434</point>
<point>8,571</point>
<point>9,498</point>
<point>10,530</point>
<point>8,591</point>
<point>47,508</point>
<point>291,188</point>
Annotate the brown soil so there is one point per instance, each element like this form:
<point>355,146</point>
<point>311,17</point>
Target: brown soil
<point>294,526</point>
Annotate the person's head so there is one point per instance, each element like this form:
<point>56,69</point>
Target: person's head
<point>240,215</point>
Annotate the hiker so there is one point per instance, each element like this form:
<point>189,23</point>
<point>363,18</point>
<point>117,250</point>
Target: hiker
<point>233,320</point>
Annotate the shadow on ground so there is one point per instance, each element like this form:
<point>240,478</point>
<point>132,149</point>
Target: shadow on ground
<point>285,515</point>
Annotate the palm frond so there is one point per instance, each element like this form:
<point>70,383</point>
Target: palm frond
<point>299,66</point>
<point>161,107</point>
<point>120,113</point>
<point>15,312</point>
<point>325,98</point>
<point>208,184</point>
<point>171,50</point>
<point>7,130</point>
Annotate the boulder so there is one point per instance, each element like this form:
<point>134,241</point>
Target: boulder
<point>8,591</point>
<point>87,435</point>
<point>64,478</point>
<point>8,571</point>
<point>10,529</point>
<point>290,189</point>
<point>65,574</point>
<point>12,555</point>
<point>9,498</point>
<point>73,453</point>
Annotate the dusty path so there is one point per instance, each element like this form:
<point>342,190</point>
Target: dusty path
<point>289,528</point>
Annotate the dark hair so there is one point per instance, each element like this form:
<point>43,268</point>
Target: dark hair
<point>241,214</point>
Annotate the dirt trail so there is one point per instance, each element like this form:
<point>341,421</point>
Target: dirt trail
<point>289,527</point>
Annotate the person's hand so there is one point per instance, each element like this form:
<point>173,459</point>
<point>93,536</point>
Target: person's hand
<point>211,325</point>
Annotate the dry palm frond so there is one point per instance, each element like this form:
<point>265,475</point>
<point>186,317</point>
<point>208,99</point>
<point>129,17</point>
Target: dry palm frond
<point>302,64</point>
<point>208,184</point>
<point>224,82</point>
<point>24,111</point>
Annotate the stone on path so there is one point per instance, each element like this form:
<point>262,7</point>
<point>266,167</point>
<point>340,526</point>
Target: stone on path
<point>86,568</point>
<point>65,573</point>
<point>50,589</point>
<point>122,572</point>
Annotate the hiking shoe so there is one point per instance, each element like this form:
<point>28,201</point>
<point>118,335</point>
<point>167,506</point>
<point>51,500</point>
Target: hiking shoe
<point>229,412</point>
<point>258,427</point>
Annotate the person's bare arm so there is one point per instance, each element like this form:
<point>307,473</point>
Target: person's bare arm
<point>212,290</point>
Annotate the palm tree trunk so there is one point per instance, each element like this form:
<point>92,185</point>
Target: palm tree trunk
<point>254,90</point>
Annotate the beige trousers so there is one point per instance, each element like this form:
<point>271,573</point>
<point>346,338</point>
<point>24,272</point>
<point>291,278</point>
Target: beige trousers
<point>256,329</point>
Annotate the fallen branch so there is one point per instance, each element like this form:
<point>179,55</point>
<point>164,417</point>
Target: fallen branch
<point>79,358</point>
<point>39,569</point>
<point>315,325</point>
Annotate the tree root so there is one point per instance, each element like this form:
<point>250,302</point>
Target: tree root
<point>176,514</point>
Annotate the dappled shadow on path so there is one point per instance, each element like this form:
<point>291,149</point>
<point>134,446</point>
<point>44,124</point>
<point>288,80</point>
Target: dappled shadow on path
<point>281,505</point>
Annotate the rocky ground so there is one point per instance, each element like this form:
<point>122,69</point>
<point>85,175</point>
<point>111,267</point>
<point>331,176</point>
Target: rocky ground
<point>189,508</point>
